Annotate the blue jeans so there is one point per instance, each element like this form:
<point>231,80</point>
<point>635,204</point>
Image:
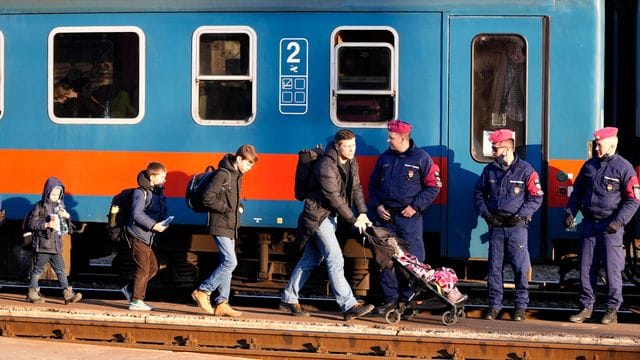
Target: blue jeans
<point>323,246</point>
<point>221,277</point>
<point>509,244</point>
<point>57,263</point>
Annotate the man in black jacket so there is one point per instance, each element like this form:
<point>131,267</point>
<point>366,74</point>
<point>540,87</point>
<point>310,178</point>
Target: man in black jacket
<point>338,189</point>
<point>222,197</point>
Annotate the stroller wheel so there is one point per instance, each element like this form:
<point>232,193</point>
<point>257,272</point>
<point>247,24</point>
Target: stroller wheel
<point>460,315</point>
<point>449,318</point>
<point>393,316</point>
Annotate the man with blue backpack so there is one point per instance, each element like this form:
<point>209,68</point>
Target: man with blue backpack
<point>221,198</point>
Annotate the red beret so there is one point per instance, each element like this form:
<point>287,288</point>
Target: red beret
<point>500,135</point>
<point>606,132</point>
<point>399,126</point>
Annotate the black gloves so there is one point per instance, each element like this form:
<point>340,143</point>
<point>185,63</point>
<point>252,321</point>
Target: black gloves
<point>493,220</point>
<point>569,221</point>
<point>512,220</point>
<point>613,228</point>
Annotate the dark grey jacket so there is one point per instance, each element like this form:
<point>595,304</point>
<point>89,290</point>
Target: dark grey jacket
<point>337,191</point>
<point>222,197</point>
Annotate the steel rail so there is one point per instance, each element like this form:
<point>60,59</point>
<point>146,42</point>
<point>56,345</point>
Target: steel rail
<point>278,344</point>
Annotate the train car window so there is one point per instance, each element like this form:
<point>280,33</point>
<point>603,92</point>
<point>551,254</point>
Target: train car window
<point>224,71</point>
<point>363,73</point>
<point>499,91</point>
<point>1,75</point>
<point>96,75</point>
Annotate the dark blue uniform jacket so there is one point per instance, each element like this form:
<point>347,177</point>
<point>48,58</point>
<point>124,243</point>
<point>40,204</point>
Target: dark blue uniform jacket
<point>401,179</point>
<point>512,191</point>
<point>605,189</point>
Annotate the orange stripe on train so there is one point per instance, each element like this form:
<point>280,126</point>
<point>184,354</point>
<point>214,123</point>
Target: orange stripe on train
<point>105,173</point>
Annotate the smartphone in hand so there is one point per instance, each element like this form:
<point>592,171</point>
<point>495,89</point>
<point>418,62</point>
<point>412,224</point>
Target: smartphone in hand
<point>167,221</point>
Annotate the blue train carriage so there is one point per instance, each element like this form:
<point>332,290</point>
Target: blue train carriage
<point>185,83</point>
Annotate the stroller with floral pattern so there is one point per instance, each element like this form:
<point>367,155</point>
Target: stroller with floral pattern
<point>425,281</point>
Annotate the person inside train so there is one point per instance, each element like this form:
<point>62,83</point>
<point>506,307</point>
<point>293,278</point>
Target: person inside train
<point>506,195</point>
<point>403,184</point>
<point>148,210</point>
<point>607,193</point>
<point>222,197</point>
<point>65,100</point>
<point>48,221</point>
<point>499,66</point>
<point>88,105</point>
<point>337,188</point>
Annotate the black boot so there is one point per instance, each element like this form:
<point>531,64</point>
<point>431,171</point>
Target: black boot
<point>583,315</point>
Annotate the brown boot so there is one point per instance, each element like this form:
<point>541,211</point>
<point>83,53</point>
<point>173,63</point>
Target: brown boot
<point>202,299</point>
<point>224,309</point>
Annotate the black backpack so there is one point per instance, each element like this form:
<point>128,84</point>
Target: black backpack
<point>120,213</point>
<point>305,182</point>
<point>197,186</point>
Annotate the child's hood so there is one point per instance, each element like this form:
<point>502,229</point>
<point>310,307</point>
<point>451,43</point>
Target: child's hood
<point>49,185</point>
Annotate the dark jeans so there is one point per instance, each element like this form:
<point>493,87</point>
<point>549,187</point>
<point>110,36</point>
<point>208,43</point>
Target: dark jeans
<point>57,263</point>
<point>146,267</point>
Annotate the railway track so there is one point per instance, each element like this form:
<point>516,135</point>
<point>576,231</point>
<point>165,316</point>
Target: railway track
<point>266,343</point>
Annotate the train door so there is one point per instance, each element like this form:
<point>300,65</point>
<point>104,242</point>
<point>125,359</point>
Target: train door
<point>496,81</point>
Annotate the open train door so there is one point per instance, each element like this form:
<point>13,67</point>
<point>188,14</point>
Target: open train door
<point>496,80</point>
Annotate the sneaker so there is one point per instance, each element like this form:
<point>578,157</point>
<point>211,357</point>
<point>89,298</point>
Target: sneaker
<point>491,314</point>
<point>293,309</point>
<point>357,310</point>
<point>127,294</point>
<point>34,296</point>
<point>139,305</point>
<point>70,296</point>
<point>519,315</point>
<point>224,309</point>
<point>386,307</point>
<point>610,317</point>
<point>456,297</point>
<point>584,314</point>
<point>202,298</point>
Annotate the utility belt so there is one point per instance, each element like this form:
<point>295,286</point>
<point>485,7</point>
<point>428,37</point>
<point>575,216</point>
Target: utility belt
<point>508,222</point>
<point>596,219</point>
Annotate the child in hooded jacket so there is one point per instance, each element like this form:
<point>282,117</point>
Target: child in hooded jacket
<point>49,221</point>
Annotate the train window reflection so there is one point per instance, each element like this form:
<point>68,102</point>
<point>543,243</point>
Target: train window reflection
<point>364,73</point>
<point>224,90</point>
<point>499,83</point>
<point>96,75</point>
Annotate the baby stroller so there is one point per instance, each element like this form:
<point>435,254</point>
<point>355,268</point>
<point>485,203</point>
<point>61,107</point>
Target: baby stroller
<point>424,281</point>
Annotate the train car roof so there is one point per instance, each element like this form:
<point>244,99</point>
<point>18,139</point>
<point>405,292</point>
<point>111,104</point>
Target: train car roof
<point>462,6</point>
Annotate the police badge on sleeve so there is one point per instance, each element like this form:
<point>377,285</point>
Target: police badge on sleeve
<point>636,191</point>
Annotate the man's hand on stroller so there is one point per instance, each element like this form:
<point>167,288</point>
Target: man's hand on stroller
<point>362,223</point>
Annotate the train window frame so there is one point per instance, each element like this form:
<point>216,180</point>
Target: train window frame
<point>481,152</point>
<point>141,75</point>
<point>336,44</point>
<point>197,77</point>
<point>2,75</point>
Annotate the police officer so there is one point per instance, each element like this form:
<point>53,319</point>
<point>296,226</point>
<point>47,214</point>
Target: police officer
<point>607,192</point>
<point>404,182</point>
<point>507,195</point>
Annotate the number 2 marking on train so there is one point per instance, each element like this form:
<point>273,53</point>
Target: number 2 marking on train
<point>294,77</point>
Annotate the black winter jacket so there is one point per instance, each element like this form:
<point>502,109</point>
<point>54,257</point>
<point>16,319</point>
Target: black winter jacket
<point>336,193</point>
<point>222,197</point>
<point>46,240</point>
